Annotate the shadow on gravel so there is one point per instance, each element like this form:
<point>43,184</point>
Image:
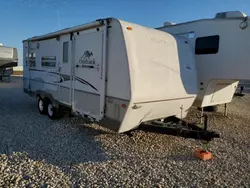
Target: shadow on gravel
<point>182,158</point>
<point>60,142</point>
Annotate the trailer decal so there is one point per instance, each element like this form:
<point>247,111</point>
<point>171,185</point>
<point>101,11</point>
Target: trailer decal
<point>87,60</point>
<point>65,77</point>
<point>85,82</point>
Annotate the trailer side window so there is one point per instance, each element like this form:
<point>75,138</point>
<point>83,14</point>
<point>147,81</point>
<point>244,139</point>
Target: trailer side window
<point>32,59</point>
<point>207,45</point>
<point>65,52</point>
<point>49,61</point>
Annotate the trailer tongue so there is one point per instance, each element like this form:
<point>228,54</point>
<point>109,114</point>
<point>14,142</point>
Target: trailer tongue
<point>177,127</point>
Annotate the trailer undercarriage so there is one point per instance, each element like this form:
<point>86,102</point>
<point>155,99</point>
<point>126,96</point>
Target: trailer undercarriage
<point>176,127</point>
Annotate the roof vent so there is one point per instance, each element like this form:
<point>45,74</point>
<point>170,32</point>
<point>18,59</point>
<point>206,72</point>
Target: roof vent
<point>231,14</point>
<point>168,23</point>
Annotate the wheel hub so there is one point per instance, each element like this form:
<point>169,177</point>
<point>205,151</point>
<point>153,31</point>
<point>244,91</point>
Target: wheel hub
<point>41,106</point>
<point>50,110</point>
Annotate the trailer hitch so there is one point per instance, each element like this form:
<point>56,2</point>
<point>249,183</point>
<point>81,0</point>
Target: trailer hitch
<point>181,128</point>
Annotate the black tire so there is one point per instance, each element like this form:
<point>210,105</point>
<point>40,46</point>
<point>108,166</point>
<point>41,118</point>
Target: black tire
<point>211,109</point>
<point>53,112</point>
<point>42,106</point>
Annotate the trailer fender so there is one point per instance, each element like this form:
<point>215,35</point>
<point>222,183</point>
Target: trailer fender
<point>45,95</point>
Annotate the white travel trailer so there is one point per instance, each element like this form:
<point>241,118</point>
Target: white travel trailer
<point>221,47</point>
<point>8,60</point>
<point>113,71</point>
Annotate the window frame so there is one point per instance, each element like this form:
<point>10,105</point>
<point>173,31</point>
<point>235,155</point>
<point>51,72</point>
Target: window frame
<point>211,48</point>
<point>48,61</point>
<point>65,58</point>
<point>32,59</point>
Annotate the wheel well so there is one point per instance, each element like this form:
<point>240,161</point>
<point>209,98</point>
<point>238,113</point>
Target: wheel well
<point>47,97</point>
<point>38,96</point>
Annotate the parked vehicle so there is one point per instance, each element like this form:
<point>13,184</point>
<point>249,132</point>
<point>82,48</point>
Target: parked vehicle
<point>221,53</point>
<point>8,60</point>
<point>115,72</point>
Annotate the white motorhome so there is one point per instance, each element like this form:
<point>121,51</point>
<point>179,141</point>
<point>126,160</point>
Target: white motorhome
<point>221,47</point>
<point>113,71</point>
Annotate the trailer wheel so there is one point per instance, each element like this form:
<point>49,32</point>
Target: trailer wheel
<point>42,106</point>
<point>52,111</point>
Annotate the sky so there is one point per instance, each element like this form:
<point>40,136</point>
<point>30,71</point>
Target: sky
<point>22,19</point>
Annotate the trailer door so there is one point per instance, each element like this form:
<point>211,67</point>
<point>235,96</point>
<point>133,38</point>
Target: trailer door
<point>64,70</point>
<point>87,73</point>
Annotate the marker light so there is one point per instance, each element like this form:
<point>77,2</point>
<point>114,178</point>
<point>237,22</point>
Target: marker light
<point>129,28</point>
<point>123,106</point>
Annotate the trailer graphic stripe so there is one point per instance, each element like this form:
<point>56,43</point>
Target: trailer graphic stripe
<point>65,77</point>
<point>54,84</point>
<point>85,82</point>
<point>164,100</point>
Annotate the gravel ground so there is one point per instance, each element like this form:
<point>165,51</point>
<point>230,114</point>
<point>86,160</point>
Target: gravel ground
<point>38,152</point>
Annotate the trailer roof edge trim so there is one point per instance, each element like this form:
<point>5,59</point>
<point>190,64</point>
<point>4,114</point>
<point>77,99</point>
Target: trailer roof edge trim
<point>68,30</point>
<point>207,19</point>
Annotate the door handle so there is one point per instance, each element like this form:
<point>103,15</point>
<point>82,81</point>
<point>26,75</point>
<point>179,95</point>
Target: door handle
<point>77,66</point>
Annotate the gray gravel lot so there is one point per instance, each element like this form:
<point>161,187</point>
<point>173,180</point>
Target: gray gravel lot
<point>38,152</point>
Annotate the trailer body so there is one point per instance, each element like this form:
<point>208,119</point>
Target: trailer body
<point>221,53</point>
<point>8,60</point>
<point>115,72</point>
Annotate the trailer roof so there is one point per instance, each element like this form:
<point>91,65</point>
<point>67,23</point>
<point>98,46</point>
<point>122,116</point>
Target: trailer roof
<point>67,30</point>
<point>206,19</point>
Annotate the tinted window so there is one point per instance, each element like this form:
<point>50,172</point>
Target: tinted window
<point>49,61</point>
<point>65,52</point>
<point>32,59</point>
<point>207,45</point>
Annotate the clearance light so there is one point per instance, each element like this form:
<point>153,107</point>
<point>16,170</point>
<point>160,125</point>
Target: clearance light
<point>123,105</point>
<point>129,28</point>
